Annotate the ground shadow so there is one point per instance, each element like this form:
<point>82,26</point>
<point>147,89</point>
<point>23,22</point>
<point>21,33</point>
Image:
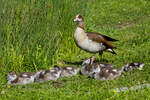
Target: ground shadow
<point>80,62</point>
<point>73,63</point>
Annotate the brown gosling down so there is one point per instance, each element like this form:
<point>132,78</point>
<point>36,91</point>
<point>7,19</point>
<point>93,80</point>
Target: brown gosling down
<point>20,79</point>
<point>50,74</point>
<point>67,71</point>
<point>102,71</point>
<point>133,65</point>
<point>87,67</point>
<point>106,73</point>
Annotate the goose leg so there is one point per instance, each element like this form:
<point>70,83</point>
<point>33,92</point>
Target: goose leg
<point>92,59</point>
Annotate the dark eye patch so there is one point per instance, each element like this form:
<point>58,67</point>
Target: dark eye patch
<point>79,16</point>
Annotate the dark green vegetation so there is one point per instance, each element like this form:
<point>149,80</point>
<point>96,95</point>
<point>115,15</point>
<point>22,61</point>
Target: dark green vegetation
<point>36,34</point>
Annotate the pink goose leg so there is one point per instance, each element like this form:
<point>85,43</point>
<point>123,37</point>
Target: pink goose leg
<point>92,59</point>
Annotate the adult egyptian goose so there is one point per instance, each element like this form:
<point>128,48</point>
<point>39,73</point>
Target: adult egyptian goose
<point>21,78</point>
<point>91,41</point>
<point>67,70</point>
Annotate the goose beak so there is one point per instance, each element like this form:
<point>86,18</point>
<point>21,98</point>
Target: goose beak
<point>75,20</point>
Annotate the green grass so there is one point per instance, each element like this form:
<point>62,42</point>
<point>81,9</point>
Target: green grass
<point>37,34</point>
